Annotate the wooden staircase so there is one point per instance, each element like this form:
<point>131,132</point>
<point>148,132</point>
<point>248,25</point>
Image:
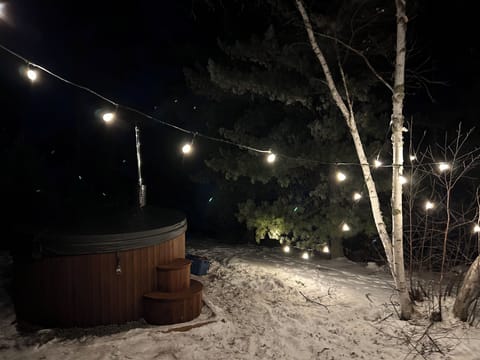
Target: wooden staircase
<point>177,299</point>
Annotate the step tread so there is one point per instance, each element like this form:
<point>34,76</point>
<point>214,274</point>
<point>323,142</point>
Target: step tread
<point>176,264</point>
<point>195,287</point>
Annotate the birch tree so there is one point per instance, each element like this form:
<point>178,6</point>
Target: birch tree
<point>393,245</point>
<point>469,291</point>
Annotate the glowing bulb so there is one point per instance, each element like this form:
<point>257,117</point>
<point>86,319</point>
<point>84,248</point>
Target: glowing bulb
<point>2,10</point>
<point>443,166</point>
<point>108,117</point>
<point>377,163</point>
<point>271,158</point>
<point>326,249</point>
<point>32,75</point>
<point>357,196</point>
<point>305,256</point>
<point>403,180</point>
<point>429,205</point>
<point>187,149</point>
<point>345,227</point>
<point>413,158</point>
<point>341,176</point>
<point>286,249</point>
<point>476,228</point>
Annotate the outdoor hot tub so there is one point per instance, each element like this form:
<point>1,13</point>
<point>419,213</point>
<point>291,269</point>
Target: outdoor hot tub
<point>94,270</point>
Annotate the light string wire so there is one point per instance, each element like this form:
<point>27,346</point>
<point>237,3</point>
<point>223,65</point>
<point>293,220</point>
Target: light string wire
<point>184,130</point>
<point>31,64</point>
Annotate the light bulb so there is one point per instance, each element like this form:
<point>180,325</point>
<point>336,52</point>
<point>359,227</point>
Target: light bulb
<point>271,158</point>
<point>32,75</point>
<point>286,249</point>
<point>341,176</point>
<point>429,205</point>
<point>476,228</point>
<point>345,227</point>
<point>187,149</point>
<point>357,196</point>
<point>443,166</point>
<point>403,180</point>
<point>305,255</point>
<point>326,249</point>
<point>413,158</point>
<point>377,163</point>
<point>2,10</point>
<point>108,117</point>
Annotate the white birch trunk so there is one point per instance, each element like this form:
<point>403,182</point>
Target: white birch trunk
<point>394,257</point>
<point>406,307</point>
<point>352,126</point>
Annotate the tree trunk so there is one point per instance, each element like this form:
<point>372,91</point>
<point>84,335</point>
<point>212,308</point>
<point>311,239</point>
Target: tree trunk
<point>469,291</point>
<point>406,307</point>
<point>336,248</point>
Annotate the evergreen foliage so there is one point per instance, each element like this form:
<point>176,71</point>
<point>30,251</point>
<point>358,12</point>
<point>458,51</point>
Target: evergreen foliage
<point>267,91</point>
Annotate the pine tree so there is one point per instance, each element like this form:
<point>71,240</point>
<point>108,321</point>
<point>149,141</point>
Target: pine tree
<point>265,92</point>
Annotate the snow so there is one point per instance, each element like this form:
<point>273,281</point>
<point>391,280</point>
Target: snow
<point>261,304</point>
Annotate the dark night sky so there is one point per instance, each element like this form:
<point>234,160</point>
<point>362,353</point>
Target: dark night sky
<point>134,52</point>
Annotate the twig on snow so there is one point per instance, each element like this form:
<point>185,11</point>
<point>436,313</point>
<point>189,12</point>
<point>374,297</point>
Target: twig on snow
<point>385,318</point>
<point>315,302</point>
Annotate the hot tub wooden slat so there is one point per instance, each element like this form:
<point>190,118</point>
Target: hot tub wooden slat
<point>84,290</point>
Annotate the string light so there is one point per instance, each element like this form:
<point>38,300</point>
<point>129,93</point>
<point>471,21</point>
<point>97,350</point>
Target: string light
<point>271,158</point>
<point>108,117</point>
<point>377,163</point>
<point>305,256</point>
<point>165,123</point>
<point>2,10</point>
<point>357,196</point>
<point>345,227</point>
<point>32,75</point>
<point>187,149</point>
<point>326,249</point>
<point>429,205</point>
<point>286,249</point>
<point>476,228</point>
<point>341,176</point>
<point>403,180</point>
<point>443,166</point>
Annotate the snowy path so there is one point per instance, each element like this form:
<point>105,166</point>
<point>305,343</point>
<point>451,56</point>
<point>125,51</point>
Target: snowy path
<point>261,313</point>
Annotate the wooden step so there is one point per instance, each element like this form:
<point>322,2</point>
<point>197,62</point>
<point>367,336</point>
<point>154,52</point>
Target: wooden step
<point>162,308</point>
<point>174,276</point>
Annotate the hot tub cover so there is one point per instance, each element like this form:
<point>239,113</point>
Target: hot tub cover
<point>95,233</point>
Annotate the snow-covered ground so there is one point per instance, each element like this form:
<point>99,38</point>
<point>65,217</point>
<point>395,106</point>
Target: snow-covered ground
<point>261,304</point>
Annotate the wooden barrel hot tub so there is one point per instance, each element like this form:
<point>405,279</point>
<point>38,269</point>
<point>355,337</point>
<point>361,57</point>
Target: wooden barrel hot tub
<point>95,270</point>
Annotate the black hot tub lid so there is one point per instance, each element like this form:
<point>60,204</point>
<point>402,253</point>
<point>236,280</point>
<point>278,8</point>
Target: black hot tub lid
<point>107,231</point>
